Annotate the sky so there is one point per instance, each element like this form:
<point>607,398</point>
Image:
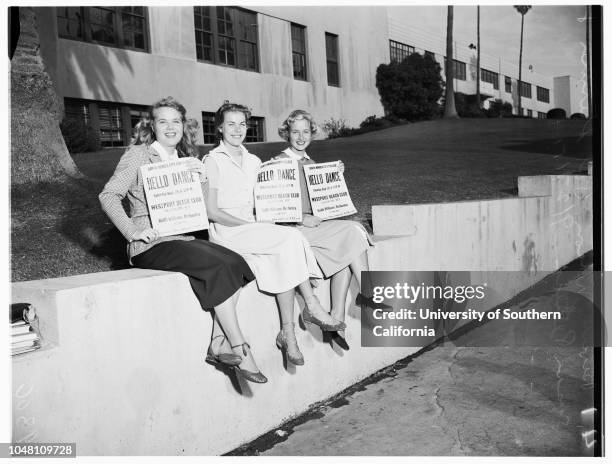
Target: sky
<point>553,43</point>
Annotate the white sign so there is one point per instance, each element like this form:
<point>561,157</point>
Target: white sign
<point>277,192</point>
<point>329,196</point>
<point>174,197</point>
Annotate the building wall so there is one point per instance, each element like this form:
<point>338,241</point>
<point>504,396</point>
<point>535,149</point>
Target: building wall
<point>94,72</point>
<point>571,95</point>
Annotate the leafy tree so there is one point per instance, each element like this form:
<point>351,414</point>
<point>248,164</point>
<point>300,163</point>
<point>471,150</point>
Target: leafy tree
<point>410,89</point>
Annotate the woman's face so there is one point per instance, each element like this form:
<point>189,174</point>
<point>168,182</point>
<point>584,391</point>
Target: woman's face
<point>168,126</point>
<point>300,135</point>
<point>234,128</point>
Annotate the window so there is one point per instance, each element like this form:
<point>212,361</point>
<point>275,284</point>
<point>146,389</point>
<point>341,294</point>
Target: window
<point>398,51</point>
<point>508,84</point>
<point>490,76</point>
<point>541,115</point>
<point>331,54</point>
<point>208,127</point>
<point>298,45</point>
<point>530,113</point>
<point>525,89</point>
<point>431,55</point>
<point>226,36</point>
<point>124,27</point>
<point>113,121</point>
<point>255,130</point>
<point>459,70</point>
<point>543,94</point>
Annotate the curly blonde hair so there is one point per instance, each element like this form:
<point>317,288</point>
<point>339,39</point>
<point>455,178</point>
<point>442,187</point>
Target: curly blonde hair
<point>295,115</point>
<point>143,132</point>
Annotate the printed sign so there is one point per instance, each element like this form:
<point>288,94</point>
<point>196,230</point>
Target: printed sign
<point>174,197</point>
<point>329,196</point>
<point>277,192</point>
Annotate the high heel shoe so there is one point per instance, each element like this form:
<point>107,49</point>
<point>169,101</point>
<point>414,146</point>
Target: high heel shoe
<point>229,359</point>
<point>338,337</point>
<point>289,346</point>
<point>255,377</point>
<point>307,316</point>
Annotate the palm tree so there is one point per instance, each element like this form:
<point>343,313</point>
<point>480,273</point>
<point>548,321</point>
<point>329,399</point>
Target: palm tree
<point>449,108</point>
<point>588,60</point>
<point>478,56</point>
<point>522,9</point>
<point>38,150</point>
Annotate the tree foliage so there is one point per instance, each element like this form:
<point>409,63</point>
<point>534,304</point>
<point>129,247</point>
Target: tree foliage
<point>410,89</point>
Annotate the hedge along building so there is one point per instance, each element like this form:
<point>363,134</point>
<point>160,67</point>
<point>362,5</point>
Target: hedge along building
<point>109,63</point>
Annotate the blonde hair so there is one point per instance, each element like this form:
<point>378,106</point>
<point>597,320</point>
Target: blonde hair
<point>295,115</point>
<point>143,132</point>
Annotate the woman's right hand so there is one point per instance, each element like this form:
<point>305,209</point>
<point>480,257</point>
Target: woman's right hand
<point>308,220</point>
<point>147,235</point>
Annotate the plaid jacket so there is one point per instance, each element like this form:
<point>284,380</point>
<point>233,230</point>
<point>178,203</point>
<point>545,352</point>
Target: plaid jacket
<point>127,181</point>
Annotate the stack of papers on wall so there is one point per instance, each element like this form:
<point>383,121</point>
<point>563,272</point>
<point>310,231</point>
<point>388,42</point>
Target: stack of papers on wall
<point>24,328</point>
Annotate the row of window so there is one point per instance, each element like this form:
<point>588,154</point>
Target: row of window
<point>399,51</point>
<point>114,122</point>
<point>226,36</point>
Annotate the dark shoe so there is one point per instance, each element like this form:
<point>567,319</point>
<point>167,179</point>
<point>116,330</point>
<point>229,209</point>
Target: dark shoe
<point>338,337</point>
<point>368,301</point>
<point>255,377</point>
<point>287,343</point>
<point>229,359</point>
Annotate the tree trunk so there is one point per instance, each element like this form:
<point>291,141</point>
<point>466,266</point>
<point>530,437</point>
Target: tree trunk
<point>520,79</point>
<point>38,151</point>
<point>478,56</point>
<point>588,60</point>
<point>449,108</point>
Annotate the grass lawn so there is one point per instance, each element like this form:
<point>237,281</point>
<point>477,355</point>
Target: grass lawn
<point>60,230</point>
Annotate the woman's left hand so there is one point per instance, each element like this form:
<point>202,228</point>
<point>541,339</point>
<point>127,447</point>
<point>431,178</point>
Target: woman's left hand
<point>341,167</point>
<point>195,165</point>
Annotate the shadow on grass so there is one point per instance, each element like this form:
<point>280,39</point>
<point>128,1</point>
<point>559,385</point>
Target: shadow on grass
<point>574,147</point>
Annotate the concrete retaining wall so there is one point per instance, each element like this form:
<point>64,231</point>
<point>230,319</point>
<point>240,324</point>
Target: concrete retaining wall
<point>122,370</point>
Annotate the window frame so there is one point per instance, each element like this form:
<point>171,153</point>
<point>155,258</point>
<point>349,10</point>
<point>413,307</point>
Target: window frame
<point>335,61</point>
<point>85,25</point>
<point>540,91</point>
<point>522,89</point>
<point>304,54</point>
<point>507,84</point>
<point>398,49</point>
<point>236,15</point>
<point>459,70</point>
<point>490,76</point>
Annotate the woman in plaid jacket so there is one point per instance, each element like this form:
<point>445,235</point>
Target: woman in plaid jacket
<point>216,274</point>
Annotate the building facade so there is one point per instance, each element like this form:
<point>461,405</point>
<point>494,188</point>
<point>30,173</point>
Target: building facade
<point>109,63</point>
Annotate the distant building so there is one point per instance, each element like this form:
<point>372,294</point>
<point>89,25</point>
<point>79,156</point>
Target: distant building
<point>109,63</point>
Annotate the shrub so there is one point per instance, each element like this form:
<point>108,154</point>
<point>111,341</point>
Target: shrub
<point>577,116</point>
<point>374,123</point>
<point>410,89</point>
<point>467,105</point>
<point>556,113</point>
<point>79,137</point>
<point>499,108</point>
<point>336,128</point>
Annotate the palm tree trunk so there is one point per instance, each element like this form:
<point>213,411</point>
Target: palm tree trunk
<point>588,60</point>
<point>478,56</point>
<point>520,79</point>
<point>38,151</point>
<point>449,108</point>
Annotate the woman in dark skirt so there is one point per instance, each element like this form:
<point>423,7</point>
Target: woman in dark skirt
<point>216,274</point>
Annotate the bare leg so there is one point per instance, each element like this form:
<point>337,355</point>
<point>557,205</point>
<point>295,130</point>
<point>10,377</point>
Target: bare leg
<point>339,289</point>
<point>225,317</point>
<point>285,339</point>
<point>361,264</point>
<point>314,306</point>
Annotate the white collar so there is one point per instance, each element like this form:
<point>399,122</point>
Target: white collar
<point>222,148</point>
<point>289,152</point>
<point>163,154</point>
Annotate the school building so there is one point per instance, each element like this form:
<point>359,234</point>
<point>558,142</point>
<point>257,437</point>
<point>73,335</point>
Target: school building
<point>109,63</point>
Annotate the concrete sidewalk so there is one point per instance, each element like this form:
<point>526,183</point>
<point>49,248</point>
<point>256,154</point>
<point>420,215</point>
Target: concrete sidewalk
<point>454,401</point>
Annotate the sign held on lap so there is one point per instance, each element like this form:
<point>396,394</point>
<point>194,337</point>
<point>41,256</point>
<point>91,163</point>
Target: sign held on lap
<point>174,197</point>
<point>277,192</point>
<point>329,196</point>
